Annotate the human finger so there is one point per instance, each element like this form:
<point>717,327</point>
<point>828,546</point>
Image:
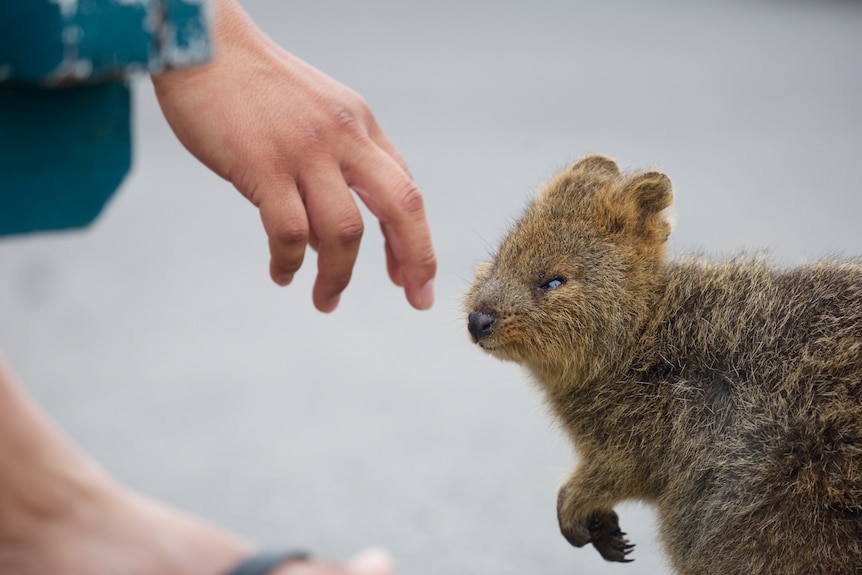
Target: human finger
<point>286,224</point>
<point>392,266</point>
<point>393,197</point>
<point>379,137</point>
<point>337,227</point>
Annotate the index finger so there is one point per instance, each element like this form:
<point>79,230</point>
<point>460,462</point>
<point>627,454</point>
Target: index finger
<point>391,195</point>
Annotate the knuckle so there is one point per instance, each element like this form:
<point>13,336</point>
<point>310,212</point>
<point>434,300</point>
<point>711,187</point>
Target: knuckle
<point>281,270</point>
<point>285,261</point>
<point>338,283</point>
<point>427,260</point>
<point>333,277</point>
<point>409,200</point>
<point>290,235</point>
<point>353,116</point>
<point>349,231</point>
<point>346,121</point>
<point>422,265</point>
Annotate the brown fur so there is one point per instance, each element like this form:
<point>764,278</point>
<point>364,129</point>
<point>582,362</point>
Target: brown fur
<point>728,394</point>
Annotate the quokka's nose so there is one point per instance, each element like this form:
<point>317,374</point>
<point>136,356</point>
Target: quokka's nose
<point>480,324</point>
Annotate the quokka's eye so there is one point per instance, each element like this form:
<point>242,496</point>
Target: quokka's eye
<point>552,283</point>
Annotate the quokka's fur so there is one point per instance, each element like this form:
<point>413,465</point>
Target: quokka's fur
<point>728,394</point>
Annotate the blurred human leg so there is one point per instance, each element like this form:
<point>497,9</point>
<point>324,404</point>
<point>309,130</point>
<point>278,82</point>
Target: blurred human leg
<point>60,513</point>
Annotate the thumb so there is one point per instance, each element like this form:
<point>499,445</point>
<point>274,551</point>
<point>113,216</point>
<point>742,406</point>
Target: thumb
<point>373,561</point>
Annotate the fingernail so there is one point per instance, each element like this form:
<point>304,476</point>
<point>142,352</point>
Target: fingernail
<point>331,304</point>
<point>284,279</point>
<point>426,295</point>
<point>372,562</point>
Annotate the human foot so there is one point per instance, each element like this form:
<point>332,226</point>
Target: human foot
<point>106,530</point>
<point>122,533</point>
<point>370,562</point>
<point>61,514</point>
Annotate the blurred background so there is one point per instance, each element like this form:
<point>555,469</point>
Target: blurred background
<point>157,341</point>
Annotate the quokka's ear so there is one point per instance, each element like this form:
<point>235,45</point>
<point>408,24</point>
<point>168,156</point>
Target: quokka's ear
<point>482,270</point>
<point>581,180</point>
<point>596,163</point>
<point>644,196</point>
<point>650,192</point>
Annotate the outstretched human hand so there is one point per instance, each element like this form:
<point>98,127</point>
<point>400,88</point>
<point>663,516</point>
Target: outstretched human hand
<point>295,142</point>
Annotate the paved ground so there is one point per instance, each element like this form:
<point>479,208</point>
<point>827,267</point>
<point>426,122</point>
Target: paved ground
<point>157,341</point>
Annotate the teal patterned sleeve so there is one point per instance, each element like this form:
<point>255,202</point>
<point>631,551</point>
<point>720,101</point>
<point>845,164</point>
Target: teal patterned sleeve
<point>65,142</point>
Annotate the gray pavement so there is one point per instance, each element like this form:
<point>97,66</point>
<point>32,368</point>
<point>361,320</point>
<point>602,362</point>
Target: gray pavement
<point>157,342</point>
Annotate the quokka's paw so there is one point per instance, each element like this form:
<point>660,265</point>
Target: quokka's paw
<point>575,530</point>
<point>608,539</point>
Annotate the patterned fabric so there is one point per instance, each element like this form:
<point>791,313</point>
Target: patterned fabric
<point>65,136</point>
